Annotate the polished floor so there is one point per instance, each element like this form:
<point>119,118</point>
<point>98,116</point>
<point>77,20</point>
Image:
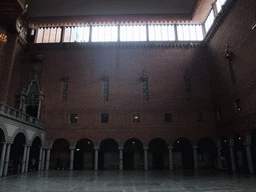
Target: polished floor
<point>128,181</point>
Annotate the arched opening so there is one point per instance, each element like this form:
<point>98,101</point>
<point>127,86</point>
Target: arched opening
<point>133,155</point>
<point>60,154</point>
<point>183,154</point>
<point>84,155</point>
<point>240,154</point>
<point>108,154</point>
<point>158,154</point>
<point>34,155</point>
<point>225,162</point>
<point>16,154</point>
<point>253,149</point>
<point>207,152</point>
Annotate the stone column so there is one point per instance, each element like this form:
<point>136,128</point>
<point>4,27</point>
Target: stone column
<point>24,159</point>
<point>7,158</point>
<point>121,158</point>
<point>195,156</point>
<point>232,157</point>
<point>71,158</point>
<point>145,158</point>
<point>27,160</point>
<point>2,159</point>
<point>96,158</point>
<point>40,158</point>
<point>249,158</point>
<point>170,157</point>
<point>219,148</point>
<point>48,159</point>
<point>43,158</point>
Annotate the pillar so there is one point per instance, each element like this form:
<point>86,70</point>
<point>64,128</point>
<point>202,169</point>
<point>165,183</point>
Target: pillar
<point>145,158</point>
<point>232,157</point>
<point>249,159</point>
<point>40,158</point>
<point>7,159</point>
<point>48,159</point>
<point>24,159</point>
<point>96,158</point>
<point>43,158</point>
<point>121,158</point>
<point>27,160</point>
<point>170,157</point>
<point>195,156</point>
<point>219,149</point>
<point>71,158</point>
<point>2,159</point>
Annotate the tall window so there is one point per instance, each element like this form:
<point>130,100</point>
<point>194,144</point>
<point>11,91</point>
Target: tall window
<point>133,33</point>
<point>101,33</point>
<point>48,35</point>
<point>161,32</point>
<point>190,32</point>
<point>77,34</point>
<point>209,21</point>
<point>219,4</point>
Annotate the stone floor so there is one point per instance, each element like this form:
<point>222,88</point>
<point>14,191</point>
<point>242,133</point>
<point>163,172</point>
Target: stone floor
<point>128,181</point>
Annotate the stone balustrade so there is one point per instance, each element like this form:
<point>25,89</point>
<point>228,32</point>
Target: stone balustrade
<point>20,116</point>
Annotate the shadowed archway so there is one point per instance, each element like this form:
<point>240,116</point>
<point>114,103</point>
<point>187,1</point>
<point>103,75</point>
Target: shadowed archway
<point>133,155</point>
<point>60,154</point>
<point>108,154</point>
<point>158,154</point>
<point>84,155</point>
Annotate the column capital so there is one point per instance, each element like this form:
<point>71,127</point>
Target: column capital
<point>195,147</point>
<point>121,148</point>
<point>4,142</point>
<point>145,148</point>
<point>170,147</point>
<point>72,148</point>
<point>96,147</point>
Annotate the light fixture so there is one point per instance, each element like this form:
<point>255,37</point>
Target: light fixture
<point>225,141</point>
<point>178,141</point>
<point>3,37</point>
<point>133,142</point>
<point>89,142</point>
<point>136,117</point>
<point>239,138</point>
<point>77,149</point>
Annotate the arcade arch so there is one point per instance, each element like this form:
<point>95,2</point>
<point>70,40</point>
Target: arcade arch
<point>84,155</point>
<point>158,154</point>
<point>108,154</point>
<point>60,154</point>
<point>183,154</point>
<point>133,155</point>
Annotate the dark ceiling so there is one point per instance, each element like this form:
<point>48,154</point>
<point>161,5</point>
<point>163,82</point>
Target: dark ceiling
<point>47,8</point>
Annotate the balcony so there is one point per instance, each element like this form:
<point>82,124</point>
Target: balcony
<point>17,115</point>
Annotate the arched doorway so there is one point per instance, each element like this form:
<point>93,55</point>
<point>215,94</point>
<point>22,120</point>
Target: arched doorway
<point>16,154</point>
<point>84,155</point>
<point>207,152</point>
<point>60,154</point>
<point>158,154</point>
<point>240,154</point>
<point>108,154</point>
<point>133,155</point>
<point>183,154</point>
<point>34,154</point>
<point>253,149</point>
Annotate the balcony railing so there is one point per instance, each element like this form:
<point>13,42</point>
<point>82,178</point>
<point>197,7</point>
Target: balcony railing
<point>18,115</point>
